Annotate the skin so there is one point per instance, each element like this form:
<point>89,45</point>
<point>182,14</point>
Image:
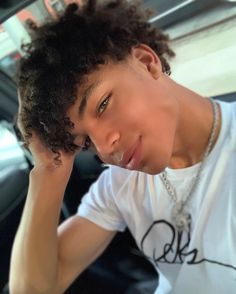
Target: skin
<point>144,106</point>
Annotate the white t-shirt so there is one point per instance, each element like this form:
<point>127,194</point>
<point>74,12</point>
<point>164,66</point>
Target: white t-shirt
<point>201,261</point>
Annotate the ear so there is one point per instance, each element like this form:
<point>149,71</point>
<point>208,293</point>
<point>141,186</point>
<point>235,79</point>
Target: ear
<point>148,59</point>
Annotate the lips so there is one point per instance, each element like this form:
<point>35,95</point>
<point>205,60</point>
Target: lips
<point>131,158</point>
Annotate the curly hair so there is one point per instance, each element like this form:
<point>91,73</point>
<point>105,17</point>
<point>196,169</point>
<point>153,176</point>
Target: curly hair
<point>64,51</point>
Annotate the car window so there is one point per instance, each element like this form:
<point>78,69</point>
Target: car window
<point>14,170</point>
<point>18,29</point>
<point>11,153</point>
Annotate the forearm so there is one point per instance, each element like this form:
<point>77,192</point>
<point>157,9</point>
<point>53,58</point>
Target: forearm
<point>34,262</point>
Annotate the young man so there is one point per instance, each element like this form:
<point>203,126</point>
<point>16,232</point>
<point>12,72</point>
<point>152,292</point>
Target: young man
<point>98,77</point>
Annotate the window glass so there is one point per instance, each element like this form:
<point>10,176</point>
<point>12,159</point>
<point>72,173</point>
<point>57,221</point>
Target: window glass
<point>11,153</point>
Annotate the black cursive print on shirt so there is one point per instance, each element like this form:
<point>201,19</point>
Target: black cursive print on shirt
<point>175,251</point>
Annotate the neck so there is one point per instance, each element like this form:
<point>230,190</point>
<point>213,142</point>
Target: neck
<point>194,127</point>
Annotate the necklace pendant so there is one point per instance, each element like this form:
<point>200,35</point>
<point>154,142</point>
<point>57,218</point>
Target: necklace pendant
<point>180,217</point>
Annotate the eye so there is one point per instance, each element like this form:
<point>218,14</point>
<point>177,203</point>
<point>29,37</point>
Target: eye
<point>102,107</point>
<point>87,144</point>
<point>82,142</point>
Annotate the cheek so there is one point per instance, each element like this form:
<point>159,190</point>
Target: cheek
<point>159,141</point>
<point>134,115</point>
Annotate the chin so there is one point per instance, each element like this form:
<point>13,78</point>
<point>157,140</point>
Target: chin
<point>152,170</point>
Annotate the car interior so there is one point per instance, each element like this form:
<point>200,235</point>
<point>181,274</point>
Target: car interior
<point>122,268</point>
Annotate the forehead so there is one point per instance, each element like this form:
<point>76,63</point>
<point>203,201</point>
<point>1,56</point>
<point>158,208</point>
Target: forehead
<point>104,71</point>
<point>95,84</point>
<point>103,75</point>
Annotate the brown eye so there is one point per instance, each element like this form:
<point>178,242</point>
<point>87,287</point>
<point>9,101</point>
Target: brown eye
<point>87,144</point>
<point>102,107</point>
<point>82,142</point>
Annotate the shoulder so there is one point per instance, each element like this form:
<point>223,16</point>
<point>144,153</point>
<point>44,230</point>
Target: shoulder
<point>228,106</point>
<point>228,112</point>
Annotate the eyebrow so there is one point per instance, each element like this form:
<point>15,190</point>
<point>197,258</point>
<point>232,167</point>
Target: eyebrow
<point>87,93</point>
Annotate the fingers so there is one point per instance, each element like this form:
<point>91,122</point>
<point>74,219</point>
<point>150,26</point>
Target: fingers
<point>43,154</point>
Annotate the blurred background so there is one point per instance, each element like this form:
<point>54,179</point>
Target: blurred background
<point>202,33</point>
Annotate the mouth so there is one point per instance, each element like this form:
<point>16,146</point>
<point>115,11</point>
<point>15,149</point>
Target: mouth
<point>132,157</point>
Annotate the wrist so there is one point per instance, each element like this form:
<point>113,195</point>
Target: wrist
<point>54,177</point>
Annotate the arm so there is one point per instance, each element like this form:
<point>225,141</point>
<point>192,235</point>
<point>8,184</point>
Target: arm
<point>80,243</point>
<point>44,260</point>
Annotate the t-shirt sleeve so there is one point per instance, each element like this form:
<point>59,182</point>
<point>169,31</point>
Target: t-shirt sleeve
<point>98,204</point>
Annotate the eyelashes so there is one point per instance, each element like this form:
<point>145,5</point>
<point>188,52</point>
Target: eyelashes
<point>103,105</point>
<point>82,142</point>
<point>86,142</point>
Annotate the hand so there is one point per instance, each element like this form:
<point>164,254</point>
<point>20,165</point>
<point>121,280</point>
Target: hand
<point>44,159</point>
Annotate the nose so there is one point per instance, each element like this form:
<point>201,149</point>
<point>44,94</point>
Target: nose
<point>105,141</point>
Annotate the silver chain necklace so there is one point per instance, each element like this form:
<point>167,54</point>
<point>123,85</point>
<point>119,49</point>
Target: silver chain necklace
<point>180,217</point>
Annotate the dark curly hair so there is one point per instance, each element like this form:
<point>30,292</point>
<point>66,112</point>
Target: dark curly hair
<point>62,52</point>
